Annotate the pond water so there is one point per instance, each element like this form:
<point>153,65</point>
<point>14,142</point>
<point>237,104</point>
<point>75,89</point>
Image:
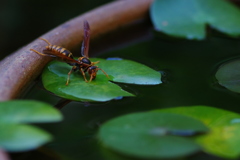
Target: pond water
<point>188,69</point>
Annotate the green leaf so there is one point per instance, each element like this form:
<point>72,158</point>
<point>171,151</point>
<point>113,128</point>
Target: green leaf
<point>146,135</point>
<point>223,140</point>
<point>101,89</point>
<point>17,111</point>
<point>228,75</point>
<point>184,18</point>
<point>15,136</point>
<point>19,137</point>
<point>127,71</point>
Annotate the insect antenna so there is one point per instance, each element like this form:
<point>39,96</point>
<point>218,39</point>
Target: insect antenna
<point>45,41</point>
<point>103,72</point>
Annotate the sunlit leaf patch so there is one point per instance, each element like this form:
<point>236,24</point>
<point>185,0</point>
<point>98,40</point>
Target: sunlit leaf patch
<point>223,138</point>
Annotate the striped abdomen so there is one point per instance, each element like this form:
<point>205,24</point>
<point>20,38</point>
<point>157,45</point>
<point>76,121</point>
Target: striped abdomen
<point>59,49</point>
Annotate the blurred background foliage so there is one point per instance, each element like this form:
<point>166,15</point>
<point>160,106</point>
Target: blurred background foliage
<point>25,20</point>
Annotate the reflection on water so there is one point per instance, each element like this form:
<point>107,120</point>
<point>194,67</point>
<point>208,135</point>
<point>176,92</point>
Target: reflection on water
<point>188,67</point>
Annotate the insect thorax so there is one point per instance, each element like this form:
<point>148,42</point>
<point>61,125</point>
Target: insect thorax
<point>85,60</point>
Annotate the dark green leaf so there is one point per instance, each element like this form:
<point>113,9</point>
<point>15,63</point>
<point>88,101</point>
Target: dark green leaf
<point>19,137</point>
<point>15,136</point>
<point>101,89</point>
<point>184,18</point>
<point>144,135</point>
<point>18,111</point>
<point>223,140</point>
<point>228,75</point>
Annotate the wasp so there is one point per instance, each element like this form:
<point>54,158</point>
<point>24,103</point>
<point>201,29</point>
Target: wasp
<point>82,64</point>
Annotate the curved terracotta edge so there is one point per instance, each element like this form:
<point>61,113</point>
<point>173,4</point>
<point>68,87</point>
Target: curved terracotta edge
<point>23,66</point>
<point>3,155</point>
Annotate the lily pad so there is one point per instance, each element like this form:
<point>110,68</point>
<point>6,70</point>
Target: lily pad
<point>146,135</point>
<point>101,89</point>
<point>27,111</point>
<point>188,19</point>
<point>17,136</point>
<point>228,75</point>
<point>223,140</point>
<point>127,71</point>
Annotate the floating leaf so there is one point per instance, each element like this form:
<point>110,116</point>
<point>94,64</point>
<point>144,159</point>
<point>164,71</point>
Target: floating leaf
<point>19,137</point>
<point>17,111</point>
<point>127,71</point>
<point>101,89</point>
<point>14,135</point>
<point>144,135</point>
<point>228,75</point>
<point>184,18</point>
<point>223,140</point>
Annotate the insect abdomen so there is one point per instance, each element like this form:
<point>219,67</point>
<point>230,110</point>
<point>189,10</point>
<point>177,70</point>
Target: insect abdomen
<point>61,50</point>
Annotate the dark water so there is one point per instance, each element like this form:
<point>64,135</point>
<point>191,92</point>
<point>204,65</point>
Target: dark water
<point>23,21</point>
<point>188,69</point>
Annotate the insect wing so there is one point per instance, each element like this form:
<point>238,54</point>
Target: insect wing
<point>61,57</point>
<point>86,39</point>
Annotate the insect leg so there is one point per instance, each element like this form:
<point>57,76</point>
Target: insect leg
<point>103,72</point>
<point>91,77</point>
<point>39,53</point>
<point>84,76</point>
<point>69,73</point>
<point>92,73</point>
<point>94,63</point>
